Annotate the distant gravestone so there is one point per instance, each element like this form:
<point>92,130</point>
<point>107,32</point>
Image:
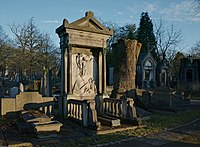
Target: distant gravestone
<point>14,91</point>
<point>17,78</point>
<point>21,87</point>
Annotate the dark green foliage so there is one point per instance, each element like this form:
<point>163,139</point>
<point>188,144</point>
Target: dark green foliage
<point>146,35</point>
<point>128,32</point>
<point>175,64</point>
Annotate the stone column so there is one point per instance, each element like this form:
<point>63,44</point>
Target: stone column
<point>63,66</point>
<point>70,69</point>
<point>65,80</point>
<point>104,72</point>
<point>100,72</point>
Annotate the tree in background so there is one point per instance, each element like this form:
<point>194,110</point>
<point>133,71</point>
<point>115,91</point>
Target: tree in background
<point>195,51</point>
<point>34,50</point>
<point>167,39</point>
<point>197,6</point>
<point>174,65</point>
<point>146,35</point>
<point>5,51</point>
<point>127,31</point>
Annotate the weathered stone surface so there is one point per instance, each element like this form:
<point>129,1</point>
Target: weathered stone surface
<point>83,67</point>
<point>11,105</point>
<point>109,121</point>
<point>45,127</point>
<point>84,71</point>
<point>35,116</point>
<point>125,68</point>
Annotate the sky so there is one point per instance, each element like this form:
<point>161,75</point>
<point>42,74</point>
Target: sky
<point>49,14</point>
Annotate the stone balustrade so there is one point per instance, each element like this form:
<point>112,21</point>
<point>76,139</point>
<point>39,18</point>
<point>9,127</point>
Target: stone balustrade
<point>47,108</point>
<point>75,109</point>
<point>83,111</point>
<point>113,106</point>
<point>122,108</point>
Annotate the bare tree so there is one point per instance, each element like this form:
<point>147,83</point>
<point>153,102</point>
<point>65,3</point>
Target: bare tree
<point>34,47</point>
<point>195,51</point>
<point>5,50</point>
<point>197,6</point>
<point>167,39</point>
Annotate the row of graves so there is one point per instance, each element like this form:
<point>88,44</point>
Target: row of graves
<point>84,98</point>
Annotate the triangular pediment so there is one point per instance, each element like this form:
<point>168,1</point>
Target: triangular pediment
<point>89,23</point>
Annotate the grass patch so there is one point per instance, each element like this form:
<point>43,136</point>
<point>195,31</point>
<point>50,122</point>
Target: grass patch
<point>156,124</point>
<point>195,98</point>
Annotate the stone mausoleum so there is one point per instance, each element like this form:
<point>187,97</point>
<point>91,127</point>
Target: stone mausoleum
<point>146,71</point>
<point>189,73</point>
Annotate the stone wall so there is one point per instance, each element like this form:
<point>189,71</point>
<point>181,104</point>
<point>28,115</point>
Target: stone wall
<point>126,54</point>
<point>22,100</point>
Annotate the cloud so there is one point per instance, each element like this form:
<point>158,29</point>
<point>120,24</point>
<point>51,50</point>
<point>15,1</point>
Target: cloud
<point>50,21</point>
<point>130,16</point>
<point>119,12</point>
<point>183,11</point>
<point>151,7</point>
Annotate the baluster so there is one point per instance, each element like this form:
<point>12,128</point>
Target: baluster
<point>72,110</point>
<point>80,112</point>
<point>45,109</point>
<point>77,112</point>
<point>111,108</point>
<point>69,109</point>
<point>116,109</point>
<point>41,109</point>
<point>120,108</point>
<point>50,109</point>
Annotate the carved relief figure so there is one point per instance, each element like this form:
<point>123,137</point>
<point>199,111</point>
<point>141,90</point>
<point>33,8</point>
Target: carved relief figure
<point>84,84</point>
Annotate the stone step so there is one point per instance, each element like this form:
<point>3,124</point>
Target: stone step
<point>109,121</point>
<point>46,127</point>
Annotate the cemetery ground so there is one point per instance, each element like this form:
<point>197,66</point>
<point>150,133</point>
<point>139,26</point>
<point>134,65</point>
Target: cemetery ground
<point>159,130</point>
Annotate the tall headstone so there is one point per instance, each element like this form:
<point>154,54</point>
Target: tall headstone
<point>126,54</point>
<point>49,83</point>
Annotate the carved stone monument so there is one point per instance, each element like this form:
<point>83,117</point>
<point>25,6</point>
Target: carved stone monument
<point>83,59</point>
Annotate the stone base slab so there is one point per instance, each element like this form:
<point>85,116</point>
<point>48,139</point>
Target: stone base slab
<point>52,126</point>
